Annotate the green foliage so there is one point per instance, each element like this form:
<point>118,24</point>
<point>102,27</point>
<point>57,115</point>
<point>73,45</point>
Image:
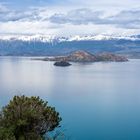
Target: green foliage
<point>27,118</point>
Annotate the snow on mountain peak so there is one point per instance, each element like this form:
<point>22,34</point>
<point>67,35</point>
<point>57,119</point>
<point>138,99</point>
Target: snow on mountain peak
<point>50,38</point>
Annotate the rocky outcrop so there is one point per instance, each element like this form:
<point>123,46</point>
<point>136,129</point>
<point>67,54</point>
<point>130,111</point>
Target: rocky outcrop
<point>81,56</point>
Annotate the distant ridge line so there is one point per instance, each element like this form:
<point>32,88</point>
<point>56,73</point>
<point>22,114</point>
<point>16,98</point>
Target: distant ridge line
<point>53,38</point>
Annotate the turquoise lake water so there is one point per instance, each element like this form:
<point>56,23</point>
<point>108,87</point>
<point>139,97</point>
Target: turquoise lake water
<point>97,101</point>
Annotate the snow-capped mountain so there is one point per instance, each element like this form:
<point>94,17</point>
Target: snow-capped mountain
<point>103,37</point>
<point>48,45</point>
<point>50,38</point>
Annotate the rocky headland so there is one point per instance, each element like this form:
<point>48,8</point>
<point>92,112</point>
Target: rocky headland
<point>83,56</point>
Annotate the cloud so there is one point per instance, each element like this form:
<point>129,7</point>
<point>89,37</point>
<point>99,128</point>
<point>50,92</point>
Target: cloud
<point>83,16</point>
<point>57,20</point>
<point>3,9</point>
<point>124,19</point>
<point>78,16</point>
<point>13,15</point>
<point>27,27</point>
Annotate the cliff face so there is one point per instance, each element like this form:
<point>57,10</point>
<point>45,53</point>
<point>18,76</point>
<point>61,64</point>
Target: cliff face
<point>83,56</point>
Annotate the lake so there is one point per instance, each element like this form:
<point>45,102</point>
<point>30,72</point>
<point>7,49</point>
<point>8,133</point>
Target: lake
<point>97,101</point>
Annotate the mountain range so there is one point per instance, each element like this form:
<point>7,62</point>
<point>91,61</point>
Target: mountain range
<point>52,38</point>
<point>48,45</point>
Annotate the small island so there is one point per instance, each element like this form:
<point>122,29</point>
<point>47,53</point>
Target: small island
<point>62,63</point>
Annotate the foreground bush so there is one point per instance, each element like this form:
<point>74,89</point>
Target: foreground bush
<point>27,118</point>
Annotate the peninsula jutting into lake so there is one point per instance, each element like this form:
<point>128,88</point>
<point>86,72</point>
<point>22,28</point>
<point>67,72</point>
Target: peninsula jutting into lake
<point>84,56</point>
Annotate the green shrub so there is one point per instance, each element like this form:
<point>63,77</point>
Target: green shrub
<point>27,118</point>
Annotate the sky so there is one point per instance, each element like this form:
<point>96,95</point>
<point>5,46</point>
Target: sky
<point>70,17</point>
